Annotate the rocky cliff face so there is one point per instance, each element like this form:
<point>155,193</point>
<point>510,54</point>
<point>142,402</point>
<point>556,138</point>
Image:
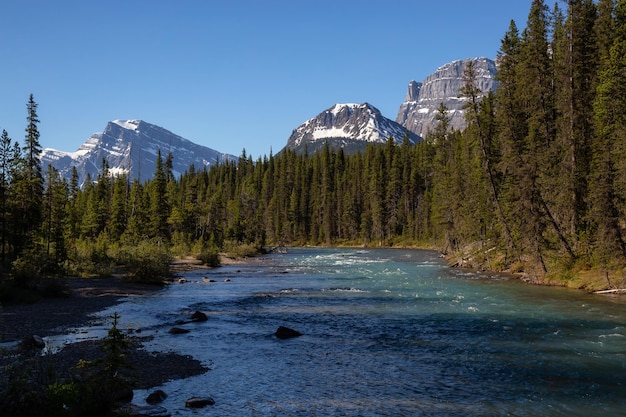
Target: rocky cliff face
<point>417,113</point>
<point>347,126</point>
<point>130,147</point>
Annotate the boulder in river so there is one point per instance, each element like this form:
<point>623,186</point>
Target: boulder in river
<point>178,330</point>
<point>156,397</point>
<point>286,333</point>
<point>199,316</point>
<point>199,402</point>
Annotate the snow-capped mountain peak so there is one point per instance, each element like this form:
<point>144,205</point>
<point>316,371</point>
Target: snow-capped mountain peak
<point>131,147</point>
<point>350,126</point>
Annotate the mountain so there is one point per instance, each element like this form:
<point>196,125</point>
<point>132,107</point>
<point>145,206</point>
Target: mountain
<point>347,126</point>
<point>130,147</point>
<point>417,113</point>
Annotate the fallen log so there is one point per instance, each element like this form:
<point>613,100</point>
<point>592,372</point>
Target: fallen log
<point>612,291</point>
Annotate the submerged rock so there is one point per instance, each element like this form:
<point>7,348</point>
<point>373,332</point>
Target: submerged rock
<point>199,402</point>
<point>286,333</point>
<point>178,330</point>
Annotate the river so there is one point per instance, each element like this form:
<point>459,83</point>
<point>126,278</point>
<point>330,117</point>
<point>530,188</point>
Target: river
<point>388,332</point>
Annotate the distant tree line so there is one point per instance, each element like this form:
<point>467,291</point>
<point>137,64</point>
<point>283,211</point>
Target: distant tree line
<point>537,179</point>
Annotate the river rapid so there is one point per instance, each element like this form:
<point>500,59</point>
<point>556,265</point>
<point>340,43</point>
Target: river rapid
<point>388,332</point>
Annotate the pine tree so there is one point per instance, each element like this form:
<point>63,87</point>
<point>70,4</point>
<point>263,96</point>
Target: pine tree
<point>159,207</point>
<point>168,167</point>
<point>54,207</point>
<point>119,213</point>
<point>32,150</point>
<point>605,29</point>
<point>72,210</point>
<point>445,191</point>
<point>9,160</point>
<point>481,118</point>
<point>608,179</point>
<point>28,190</point>
<point>393,192</point>
<point>576,58</point>
<point>541,229</point>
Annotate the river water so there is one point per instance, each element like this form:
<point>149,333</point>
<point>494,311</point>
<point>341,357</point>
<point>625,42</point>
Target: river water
<point>386,333</point>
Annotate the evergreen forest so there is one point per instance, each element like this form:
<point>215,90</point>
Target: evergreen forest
<point>536,182</point>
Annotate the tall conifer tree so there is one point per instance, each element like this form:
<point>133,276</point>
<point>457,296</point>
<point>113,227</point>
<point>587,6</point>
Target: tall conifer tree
<point>608,174</point>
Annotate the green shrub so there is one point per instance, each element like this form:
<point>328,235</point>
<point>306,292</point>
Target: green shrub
<point>241,250</point>
<point>147,262</point>
<point>86,259</point>
<point>28,268</point>
<point>209,258</point>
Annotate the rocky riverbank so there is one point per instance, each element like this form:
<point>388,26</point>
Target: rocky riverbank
<point>51,316</point>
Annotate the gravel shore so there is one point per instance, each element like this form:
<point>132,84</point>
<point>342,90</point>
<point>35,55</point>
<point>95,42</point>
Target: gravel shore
<point>52,316</point>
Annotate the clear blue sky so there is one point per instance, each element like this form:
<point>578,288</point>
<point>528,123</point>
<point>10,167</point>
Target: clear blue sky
<point>227,74</point>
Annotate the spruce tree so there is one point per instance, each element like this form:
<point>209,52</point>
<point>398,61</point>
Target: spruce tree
<point>576,59</point>
<point>54,207</point>
<point>480,115</point>
<point>28,190</point>
<point>9,159</point>
<point>608,173</point>
<point>605,29</point>
<point>159,207</point>
<point>119,212</point>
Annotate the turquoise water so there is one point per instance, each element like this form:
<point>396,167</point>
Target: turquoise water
<point>386,333</point>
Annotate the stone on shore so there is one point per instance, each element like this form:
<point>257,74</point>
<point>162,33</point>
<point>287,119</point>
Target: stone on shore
<point>33,342</point>
<point>198,402</point>
<point>286,333</point>
<point>178,330</point>
<point>38,342</point>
